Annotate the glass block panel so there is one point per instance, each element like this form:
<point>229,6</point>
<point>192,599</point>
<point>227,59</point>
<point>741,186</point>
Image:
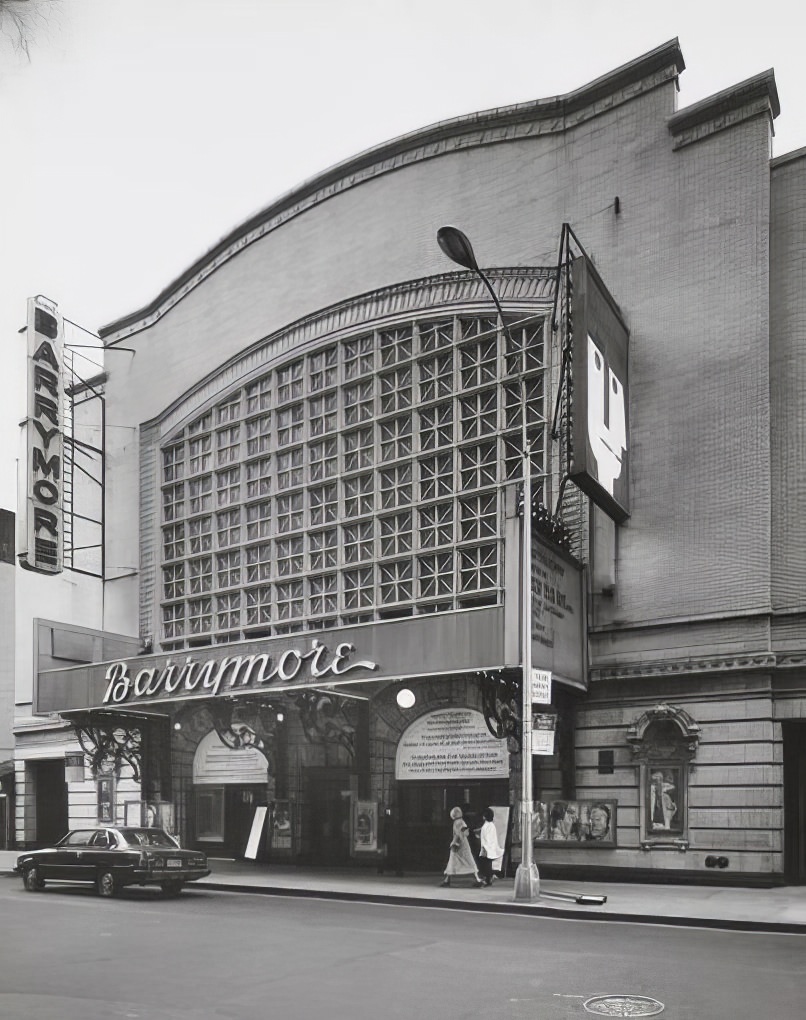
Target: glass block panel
<point>359,357</point>
<point>258,477</point>
<point>289,555</point>
<point>478,568</point>
<point>323,369</point>
<point>396,440</point>
<point>435,336</point>
<point>200,616</point>
<point>290,381</point>
<point>395,389</point>
<point>228,486</point>
<point>436,377</point>
<point>323,504</point>
<point>435,574</point>
<point>478,517</point>
<point>358,588</point>
<point>228,611</point>
<point>396,536</point>
<point>358,449</point>
<point>359,495</point>
<point>524,351</point>
<point>258,519</point>
<point>289,600</point>
<point>200,575</point>
<point>228,569</point>
<point>478,465</point>
<point>258,562</point>
<point>173,541</point>
<point>436,427</point>
<point>436,525</point>
<point>323,590</point>
<point>228,445</point>
<point>396,581</point>
<point>173,621</point>
<point>258,395</point>
<point>289,512</point>
<point>357,541</point>
<point>228,528</point>
<point>289,469</point>
<point>323,549</point>
<point>173,501</point>
<point>258,606</point>
<point>395,345</point>
<point>173,463</point>
<point>436,476</point>
<point>199,452</point>
<point>173,581</point>
<point>200,535</point>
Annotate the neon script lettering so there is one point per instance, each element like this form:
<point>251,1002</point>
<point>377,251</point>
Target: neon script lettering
<point>238,671</point>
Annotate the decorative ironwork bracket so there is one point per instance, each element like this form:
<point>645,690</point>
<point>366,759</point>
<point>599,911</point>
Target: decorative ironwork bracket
<point>110,744</point>
<point>501,706</point>
<point>326,719</point>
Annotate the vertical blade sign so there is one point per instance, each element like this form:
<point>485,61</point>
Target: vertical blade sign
<point>43,509</point>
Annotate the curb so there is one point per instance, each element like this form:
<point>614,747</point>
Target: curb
<point>565,913</point>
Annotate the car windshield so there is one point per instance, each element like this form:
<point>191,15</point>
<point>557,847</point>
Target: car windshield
<point>148,837</point>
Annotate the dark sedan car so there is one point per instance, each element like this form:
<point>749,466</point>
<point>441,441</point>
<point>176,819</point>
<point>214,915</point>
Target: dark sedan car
<point>111,858</point>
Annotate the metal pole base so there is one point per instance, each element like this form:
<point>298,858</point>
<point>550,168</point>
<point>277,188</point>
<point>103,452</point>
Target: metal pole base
<point>527,883</point>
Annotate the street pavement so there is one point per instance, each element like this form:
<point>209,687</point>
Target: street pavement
<point>778,909</point>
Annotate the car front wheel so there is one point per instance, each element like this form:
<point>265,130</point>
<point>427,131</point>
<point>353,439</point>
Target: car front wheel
<point>106,884</point>
<point>173,888</point>
<point>33,880</point>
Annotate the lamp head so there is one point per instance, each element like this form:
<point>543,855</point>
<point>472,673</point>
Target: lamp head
<point>457,247</point>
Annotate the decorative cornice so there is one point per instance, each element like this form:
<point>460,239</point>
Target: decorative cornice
<point>750,98</point>
<point>519,286</point>
<point>687,667</point>
<point>489,127</point>
<point>689,729</point>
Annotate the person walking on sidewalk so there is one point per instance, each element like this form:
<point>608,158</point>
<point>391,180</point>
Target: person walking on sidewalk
<point>491,853</point>
<point>460,859</point>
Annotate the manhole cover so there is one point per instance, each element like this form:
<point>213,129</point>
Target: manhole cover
<point>623,1005</point>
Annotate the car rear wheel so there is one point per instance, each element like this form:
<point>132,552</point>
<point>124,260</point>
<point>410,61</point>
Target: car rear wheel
<point>106,883</point>
<point>33,880</point>
<point>173,888</point>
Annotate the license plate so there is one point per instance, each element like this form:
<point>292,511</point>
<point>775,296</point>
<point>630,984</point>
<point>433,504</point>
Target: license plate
<point>174,863</point>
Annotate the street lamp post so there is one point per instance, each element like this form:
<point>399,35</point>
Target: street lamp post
<point>527,881</point>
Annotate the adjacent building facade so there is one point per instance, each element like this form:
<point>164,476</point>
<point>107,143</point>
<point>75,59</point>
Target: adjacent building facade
<point>305,638</point>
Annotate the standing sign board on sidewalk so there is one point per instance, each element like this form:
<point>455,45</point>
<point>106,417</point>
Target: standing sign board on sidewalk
<point>541,687</point>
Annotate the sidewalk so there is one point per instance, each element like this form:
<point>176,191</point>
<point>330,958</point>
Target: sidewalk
<point>780,909</point>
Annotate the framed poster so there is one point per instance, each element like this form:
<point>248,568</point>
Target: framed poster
<point>365,826</point>
<point>280,827</point>
<point>664,795</point>
<point>106,800</point>
<point>575,822</point>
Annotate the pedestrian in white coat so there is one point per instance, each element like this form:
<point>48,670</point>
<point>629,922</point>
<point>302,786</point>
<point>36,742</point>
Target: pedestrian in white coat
<point>491,853</point>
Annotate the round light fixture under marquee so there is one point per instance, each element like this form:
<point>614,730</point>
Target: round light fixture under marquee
<point>405,698</point>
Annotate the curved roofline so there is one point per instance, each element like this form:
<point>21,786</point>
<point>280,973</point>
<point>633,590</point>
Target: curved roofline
<point>554,108</point>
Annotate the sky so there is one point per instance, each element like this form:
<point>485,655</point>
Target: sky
<point>137,133</point>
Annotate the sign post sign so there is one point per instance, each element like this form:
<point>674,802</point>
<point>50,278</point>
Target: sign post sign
<point>541,687</point>
<point>544,726</point>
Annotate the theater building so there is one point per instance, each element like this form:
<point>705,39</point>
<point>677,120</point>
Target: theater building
<point>306,640</point>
